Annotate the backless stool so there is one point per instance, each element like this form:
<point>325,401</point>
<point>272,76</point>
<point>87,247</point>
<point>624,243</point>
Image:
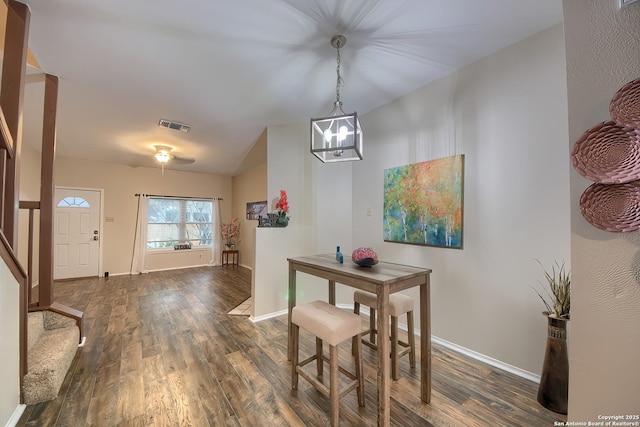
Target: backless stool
<point>333,325</point>
<point>399,304</point>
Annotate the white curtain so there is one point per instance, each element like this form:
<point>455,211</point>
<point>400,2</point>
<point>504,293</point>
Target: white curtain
<point>216,240</point>
<point>140,242</point>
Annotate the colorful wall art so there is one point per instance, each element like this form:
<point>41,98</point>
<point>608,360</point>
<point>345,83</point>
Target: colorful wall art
<point>423,203</point>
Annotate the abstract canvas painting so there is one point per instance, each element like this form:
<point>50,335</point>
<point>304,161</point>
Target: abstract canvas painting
<point>423,203</point>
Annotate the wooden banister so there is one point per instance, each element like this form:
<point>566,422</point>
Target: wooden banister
<point>5,133</point>
<point>46,206</point>
<point>11,259</point>
<point>11,107</point>
<point>14,67</point>
<point>32,207</point>
<point>11,112</point>
<point>47,189</point>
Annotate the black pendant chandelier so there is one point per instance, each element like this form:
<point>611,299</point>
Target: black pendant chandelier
<point>338,136</point>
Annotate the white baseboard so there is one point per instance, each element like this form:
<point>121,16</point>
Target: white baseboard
<point>257,319</point>
<point>128,273</point>
<point>486,359</point>
<point>178,268</point>
<point>15,417</point>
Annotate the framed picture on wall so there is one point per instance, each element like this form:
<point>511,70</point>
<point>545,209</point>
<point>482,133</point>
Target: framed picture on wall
<point>256,209</point>
<point>423,203</point>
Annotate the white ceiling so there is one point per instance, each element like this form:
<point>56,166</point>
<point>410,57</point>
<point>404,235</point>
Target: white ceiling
<point>232,68</point>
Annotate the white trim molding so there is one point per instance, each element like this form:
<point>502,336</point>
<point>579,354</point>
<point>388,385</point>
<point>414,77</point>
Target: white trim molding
<point>15,417</point>
<point>486,359</point>
<point>268,316</point>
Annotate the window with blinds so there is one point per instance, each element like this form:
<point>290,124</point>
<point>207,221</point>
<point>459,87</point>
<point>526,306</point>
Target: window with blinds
<point>175,221</point>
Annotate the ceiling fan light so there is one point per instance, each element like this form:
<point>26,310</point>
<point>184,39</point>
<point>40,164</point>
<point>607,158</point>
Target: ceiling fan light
<point>162,155</point>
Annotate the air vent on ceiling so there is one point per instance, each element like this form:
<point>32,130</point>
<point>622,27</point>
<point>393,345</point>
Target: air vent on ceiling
<point>169,124</point>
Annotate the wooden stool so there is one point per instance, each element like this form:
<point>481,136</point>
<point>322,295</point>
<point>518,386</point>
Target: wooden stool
<point>333,325</point>
<point>399,304</point>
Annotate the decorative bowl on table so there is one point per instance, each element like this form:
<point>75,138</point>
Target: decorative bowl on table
<point>364,257</point>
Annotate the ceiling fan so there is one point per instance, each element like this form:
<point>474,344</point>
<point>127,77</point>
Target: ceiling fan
<point>164,154</point>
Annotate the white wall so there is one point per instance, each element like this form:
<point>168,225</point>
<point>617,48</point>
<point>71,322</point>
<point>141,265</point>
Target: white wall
<point>603,53</point>
<point>287,169</point>
<point>270,274</point>
<point>120,184</point>
<point>250,185</point>
<point>320,209</point>
<point>9,344</point>
<point>507,115</point>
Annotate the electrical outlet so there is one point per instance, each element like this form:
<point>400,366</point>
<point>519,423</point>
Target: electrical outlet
<point>369,213</point>
<point>109,219</point>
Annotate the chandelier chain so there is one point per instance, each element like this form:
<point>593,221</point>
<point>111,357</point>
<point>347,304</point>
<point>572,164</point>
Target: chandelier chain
<point>339,81</point>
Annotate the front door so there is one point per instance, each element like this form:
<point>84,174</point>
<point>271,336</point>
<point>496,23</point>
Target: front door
<point>76,233</point>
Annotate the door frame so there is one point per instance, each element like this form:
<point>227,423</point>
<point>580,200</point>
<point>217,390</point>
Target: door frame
<point>100,220</point>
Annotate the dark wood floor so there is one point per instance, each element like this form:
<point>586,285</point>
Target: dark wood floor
<point>162,350</point>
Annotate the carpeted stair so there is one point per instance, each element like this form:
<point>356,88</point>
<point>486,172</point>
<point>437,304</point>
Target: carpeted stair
<point>52,345</point>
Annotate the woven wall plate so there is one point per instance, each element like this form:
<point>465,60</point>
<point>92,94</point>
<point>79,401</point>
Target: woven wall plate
<point>625,105</point>
<point>608,153</point>
<point>614,208</point>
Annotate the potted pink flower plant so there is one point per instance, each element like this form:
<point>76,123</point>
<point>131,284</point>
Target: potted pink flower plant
<point>230,232</point>
<point>282,207</point>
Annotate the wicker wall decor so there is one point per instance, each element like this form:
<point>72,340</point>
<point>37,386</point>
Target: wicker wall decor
<point>609,154</point>
<point>613,207</point>
<point>625,105</point>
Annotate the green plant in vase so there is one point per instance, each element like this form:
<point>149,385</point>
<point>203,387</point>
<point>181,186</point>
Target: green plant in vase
<point>557,298</point>
<point>553,390</point>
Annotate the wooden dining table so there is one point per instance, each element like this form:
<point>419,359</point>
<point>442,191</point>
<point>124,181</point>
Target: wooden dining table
<point>381,279</point>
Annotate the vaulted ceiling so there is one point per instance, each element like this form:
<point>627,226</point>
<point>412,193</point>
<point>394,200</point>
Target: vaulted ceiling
<point>231,68</point>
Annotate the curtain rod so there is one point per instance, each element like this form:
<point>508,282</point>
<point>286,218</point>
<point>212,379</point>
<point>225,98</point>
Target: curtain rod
<point>178,197</point>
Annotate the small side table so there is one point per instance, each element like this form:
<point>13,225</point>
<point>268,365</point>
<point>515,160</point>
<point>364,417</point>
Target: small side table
<point>235,254</point>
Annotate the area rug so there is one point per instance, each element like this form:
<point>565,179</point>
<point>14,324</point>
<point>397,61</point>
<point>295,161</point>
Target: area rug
<point>243,309</point>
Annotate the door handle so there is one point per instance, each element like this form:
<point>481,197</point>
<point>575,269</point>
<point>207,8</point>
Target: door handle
<point>95,237</point>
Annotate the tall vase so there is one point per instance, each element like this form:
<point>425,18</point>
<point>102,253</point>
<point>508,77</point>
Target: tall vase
<point>553,391</point>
